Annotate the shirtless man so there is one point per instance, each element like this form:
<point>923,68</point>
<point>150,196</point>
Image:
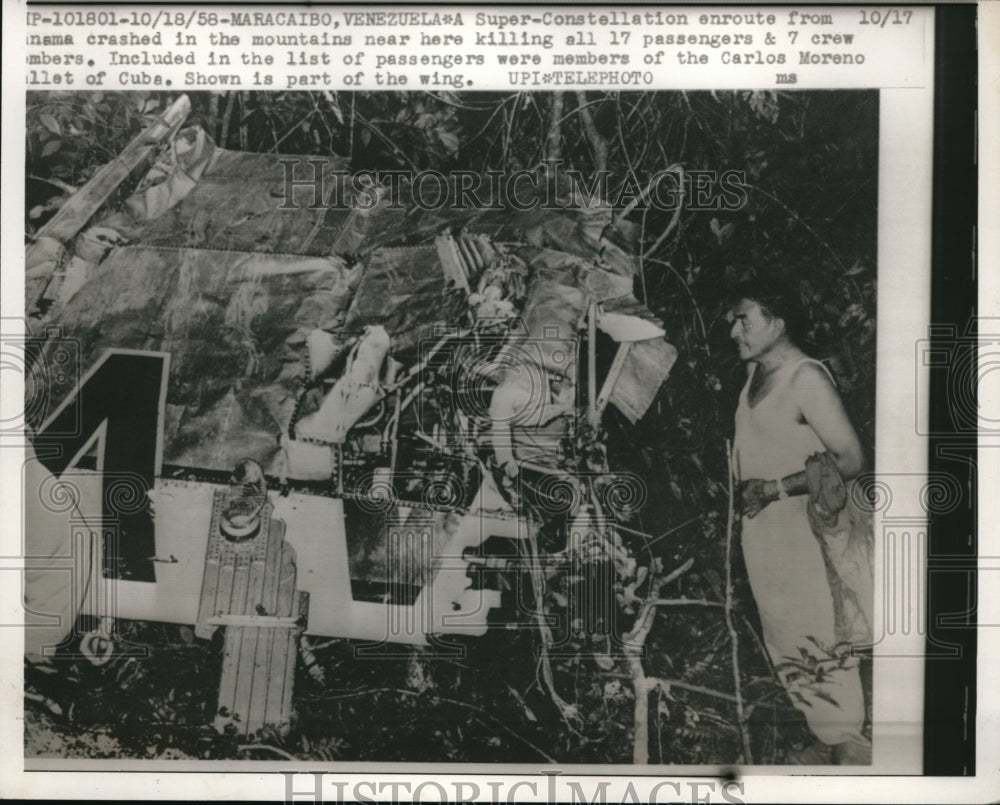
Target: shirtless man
<point>789,409</point>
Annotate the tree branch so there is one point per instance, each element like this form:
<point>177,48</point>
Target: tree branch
<point>680,683</point>
<point>267,747</point>
<point>684,602</point>
<point>212,115</point>
<point>798,218</point>
<point>226,117</point>
<point>553,148</point>
<point>634,643</point>
<point>674,219</point>
<point>568,711</point>
<point>694,302</point>
<point>597,141</point>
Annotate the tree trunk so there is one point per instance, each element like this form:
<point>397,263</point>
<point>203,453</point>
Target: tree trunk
<point>212,117</point>
<point>553,141</point>
<point>597,141</point>
<point>226,116</point>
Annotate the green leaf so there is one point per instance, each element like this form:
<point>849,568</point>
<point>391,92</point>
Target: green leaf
<point>51,147</point>
<point>50,123</point>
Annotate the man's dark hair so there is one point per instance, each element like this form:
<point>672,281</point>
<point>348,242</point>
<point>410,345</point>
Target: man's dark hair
<point>778,300</point>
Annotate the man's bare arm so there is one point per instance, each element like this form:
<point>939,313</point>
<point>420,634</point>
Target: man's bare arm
<point>824,411</point>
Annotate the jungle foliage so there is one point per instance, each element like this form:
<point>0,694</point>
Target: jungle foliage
<point>810,166</point>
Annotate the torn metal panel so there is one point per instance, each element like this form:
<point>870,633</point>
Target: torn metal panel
<point>260,321</point>
<point>396,218</point>
<point>85,204</point>
<point>625,328</point>
<point>355,392</point>
<point>552,316</point>
<point>599,284</point>
<point>172,178</point>
<point>240,205</point>
<point>577,232</point>
<point>405,291</point>
<point>61,555</point>
<point>626,319</point>
<point>235,325</point>
<point>628,305</point>
<point>646,367</point>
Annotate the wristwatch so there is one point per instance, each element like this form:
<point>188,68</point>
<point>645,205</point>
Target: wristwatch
<point>782,493</point>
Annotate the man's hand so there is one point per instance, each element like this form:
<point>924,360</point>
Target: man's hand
<point>756,494</point>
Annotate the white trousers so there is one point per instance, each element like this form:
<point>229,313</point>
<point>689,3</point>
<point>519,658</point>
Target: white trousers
<point>788,578</point>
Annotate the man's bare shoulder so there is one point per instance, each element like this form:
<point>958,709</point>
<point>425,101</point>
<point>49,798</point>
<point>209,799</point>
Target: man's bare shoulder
<point>811,377</point>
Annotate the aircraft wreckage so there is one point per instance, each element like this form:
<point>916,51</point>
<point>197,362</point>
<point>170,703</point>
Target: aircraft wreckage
<point>342,421</point>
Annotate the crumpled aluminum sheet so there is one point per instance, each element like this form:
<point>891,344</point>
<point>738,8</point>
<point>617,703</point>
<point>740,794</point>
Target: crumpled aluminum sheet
<point>237,205</point>
<point>231,285</point>
<point>405,291</point>
<point>235,326</point>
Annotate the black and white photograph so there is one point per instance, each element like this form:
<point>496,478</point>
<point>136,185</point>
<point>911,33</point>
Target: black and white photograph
<point>484,403</point>
<point>452,426</point>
